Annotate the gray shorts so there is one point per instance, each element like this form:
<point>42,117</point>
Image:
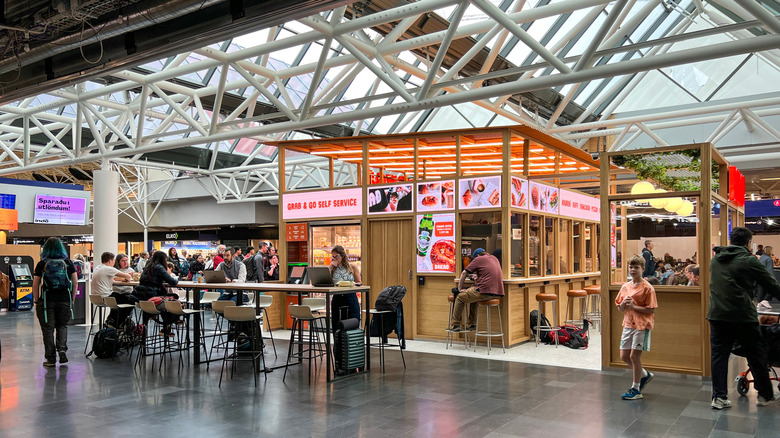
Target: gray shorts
<point>634,339</point>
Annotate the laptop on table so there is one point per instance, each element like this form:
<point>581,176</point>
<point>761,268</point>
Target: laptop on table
<point>214,277</point>
<point>320,276</point>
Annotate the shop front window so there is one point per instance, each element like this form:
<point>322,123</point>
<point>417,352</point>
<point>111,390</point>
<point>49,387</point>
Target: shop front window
<point>535,247</point>
<point>589,239</point>
<point>549,245</point>
<point>516,246</point>
<point>577,262</point>
<point>564,246</point>
<point>480,230</point>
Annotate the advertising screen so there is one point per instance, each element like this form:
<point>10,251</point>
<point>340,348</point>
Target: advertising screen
<point>480,192</point>
<point>519,192</point>
<point>544,198</point>
<point>436,243</point>
<point>324,203</point>
<point>390,199</point>
<point>438,195</point>
<point>577,205</point>
<point>7,201</point>
<point>60,210</point>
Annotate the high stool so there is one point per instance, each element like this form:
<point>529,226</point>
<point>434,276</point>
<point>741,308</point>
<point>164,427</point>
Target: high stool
<point>126,335</point>
<point>593,304</point>
<point>382,344</point>
<point>152,343</point>
<point>235,315</point>
<point>219,311</point>
<point>97,307</point>
<point>464,329</point>
<point>264,302</point>
<point>175,308</point>
<point>315,347</point>
<point>547,298</point>
<point>575,294</point>
<point>487,305</point>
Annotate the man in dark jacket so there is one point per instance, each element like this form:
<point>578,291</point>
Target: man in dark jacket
<point>734,273</point>
<point>647,254</point>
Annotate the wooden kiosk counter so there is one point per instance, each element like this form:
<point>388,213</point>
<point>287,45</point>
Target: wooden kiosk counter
<point>410,209</point>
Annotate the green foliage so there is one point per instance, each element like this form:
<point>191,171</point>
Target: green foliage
<point>647,168</point>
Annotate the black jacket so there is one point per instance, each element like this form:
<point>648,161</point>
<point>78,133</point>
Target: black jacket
<point>734,273</point>
<point>152,282</point>
<point>649,263</point>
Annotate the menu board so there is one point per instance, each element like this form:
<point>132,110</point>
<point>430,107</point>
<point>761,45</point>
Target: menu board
<point>519,192</point>
<point>577,205</point>
<point>323,203</point>
<point>60,210</point>
<point>544,198</point>
<point>480,192</point>
<point>397,198</point>
<point>438,195</point>
<point>436,243</point>
<point>298,232</point>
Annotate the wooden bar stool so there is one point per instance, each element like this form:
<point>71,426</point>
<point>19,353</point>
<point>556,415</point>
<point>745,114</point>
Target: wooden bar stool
<point>464,329</point>
<point>593,304</point>
<point>489,334</point>
<point>542,299</point>
<point>575,294</point>
<point>96,309</point>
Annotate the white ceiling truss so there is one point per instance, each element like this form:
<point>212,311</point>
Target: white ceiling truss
<point>339,68</point>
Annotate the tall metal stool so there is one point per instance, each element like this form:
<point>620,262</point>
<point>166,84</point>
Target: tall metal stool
<point>489,334</point>
<point>96,307</point>
<point>575,294</point>
<point>593,304</point>
<point>542,299</point>
<point>464,329</point>
<point>313,345</point>
<point>264,302</point>
<point>244,314</point>
<point>383,340</point>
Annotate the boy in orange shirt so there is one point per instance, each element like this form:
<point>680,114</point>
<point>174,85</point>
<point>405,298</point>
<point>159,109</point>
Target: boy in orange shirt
<point>637,300</point>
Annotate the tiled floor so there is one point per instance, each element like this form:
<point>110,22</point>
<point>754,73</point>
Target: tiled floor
<point>438,395</point>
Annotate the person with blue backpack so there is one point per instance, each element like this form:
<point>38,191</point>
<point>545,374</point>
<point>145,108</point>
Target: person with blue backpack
<point>54,288</point>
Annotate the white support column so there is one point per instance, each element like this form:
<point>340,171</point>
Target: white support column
<point>106,221</point>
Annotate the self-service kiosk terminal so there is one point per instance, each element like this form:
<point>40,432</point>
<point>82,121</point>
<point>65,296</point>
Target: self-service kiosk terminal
<point>21,296</point>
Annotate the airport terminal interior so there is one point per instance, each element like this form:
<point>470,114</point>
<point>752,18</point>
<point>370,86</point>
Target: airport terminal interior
<point>267,216</point>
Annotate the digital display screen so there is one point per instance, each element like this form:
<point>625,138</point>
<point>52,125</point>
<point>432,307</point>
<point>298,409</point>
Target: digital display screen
<point>60,210</point>
<point>21,270</point>
<point>7,201</point>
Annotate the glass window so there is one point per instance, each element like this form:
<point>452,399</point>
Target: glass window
<point>549,246</point>
<point>577,262</point>
<point>480,230</point>
<point>564,245</point>
<point>589,229</point>
<point>516,245</point>
<point>535,247</point>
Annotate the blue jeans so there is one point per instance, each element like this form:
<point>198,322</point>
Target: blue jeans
<point>232,296</point>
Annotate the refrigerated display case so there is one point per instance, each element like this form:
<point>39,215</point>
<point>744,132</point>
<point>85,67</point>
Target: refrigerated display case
<point>325,237</point>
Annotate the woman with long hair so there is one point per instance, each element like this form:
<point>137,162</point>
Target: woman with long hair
<point>342,270</point>
<point>123,294</point>
<point>197,267</point>
<point>154,277</point>
<point>54,288</point>
<point>173,257</point>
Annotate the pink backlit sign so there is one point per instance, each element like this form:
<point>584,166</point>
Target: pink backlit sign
<point>577,205</point>
<point>326,203</point>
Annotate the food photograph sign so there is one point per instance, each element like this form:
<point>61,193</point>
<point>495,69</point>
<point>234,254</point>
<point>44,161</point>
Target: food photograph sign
<point>480,192</point>
<point>519,192</point>
<point>396,198</point>
<point>544,198</point>
<point>434,196</point>
<point>436,243</point>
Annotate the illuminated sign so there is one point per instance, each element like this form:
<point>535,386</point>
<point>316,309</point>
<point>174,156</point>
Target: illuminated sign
<point>60,210</point>
<point>342,203</point>
<point>580,206</point>
<point>297,232</point>
<point>9,219</point>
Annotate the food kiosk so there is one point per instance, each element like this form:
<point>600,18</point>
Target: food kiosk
<point>411,209</point>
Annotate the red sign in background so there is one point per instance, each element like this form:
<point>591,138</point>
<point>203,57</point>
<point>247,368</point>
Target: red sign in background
<point>736,186</point>
<point>297,232</point>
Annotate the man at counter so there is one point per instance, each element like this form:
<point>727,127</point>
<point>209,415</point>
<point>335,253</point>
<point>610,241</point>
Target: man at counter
<point>488,285</point>
<point>235,272</point>
<point>734,273</point>
<point>647,254</point>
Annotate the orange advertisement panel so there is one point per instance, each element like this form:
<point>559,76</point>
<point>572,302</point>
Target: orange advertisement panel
<point>9,219</point>
<point>298,232</point>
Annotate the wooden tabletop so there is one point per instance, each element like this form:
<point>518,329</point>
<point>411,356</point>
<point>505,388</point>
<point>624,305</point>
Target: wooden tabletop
<point>263,287</point>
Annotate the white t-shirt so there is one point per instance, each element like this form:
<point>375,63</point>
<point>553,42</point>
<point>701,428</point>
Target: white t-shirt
<point>103,280</point>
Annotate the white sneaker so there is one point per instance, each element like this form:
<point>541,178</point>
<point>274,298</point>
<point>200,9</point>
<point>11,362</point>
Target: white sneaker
<point>720,403</point>
<point>764,402</point>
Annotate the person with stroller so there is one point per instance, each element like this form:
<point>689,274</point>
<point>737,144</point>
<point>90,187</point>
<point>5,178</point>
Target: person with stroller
<point>734,273</point>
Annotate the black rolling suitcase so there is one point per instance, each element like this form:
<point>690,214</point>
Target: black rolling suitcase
<point>349,346</point>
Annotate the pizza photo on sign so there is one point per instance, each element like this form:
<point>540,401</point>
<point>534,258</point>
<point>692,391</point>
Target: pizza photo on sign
<point>443,255</point>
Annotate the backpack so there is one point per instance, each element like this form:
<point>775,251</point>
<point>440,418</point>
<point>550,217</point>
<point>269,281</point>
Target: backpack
<point>55,275</point>
<point>572,336</point>
<point>251,269</point>
<point>533,318</point>
<point>184,266</point>
<point>105,345</point>
<point>389,298</point>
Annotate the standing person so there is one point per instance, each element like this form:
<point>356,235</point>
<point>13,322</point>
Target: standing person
<point>237,254</point>
<point>342,270</point>
<point>54,289</point>
<point>218,258</point>
<point>208,264</point>
<point>488,285</point>
<point>173,257</point>
<point>197,267</point>
<point>261,266</point>
<point>235,272</point>
<point>766,259</point>
<point>734,273</point>
<point>249,263</point>
<point>647,254</point>
<point>637,301</point>
<point>273,270</point>
<point>142,261</point>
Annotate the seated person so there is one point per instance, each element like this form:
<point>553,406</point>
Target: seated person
<point>235,272</point>
<point>154,277</point>
<point>488,285</point>
<point>342,270</point>
<point>103,282</point>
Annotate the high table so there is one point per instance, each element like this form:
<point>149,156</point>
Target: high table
<point>300,289</point>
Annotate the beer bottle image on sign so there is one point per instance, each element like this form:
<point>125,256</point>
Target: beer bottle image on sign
<point>424,236</point>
